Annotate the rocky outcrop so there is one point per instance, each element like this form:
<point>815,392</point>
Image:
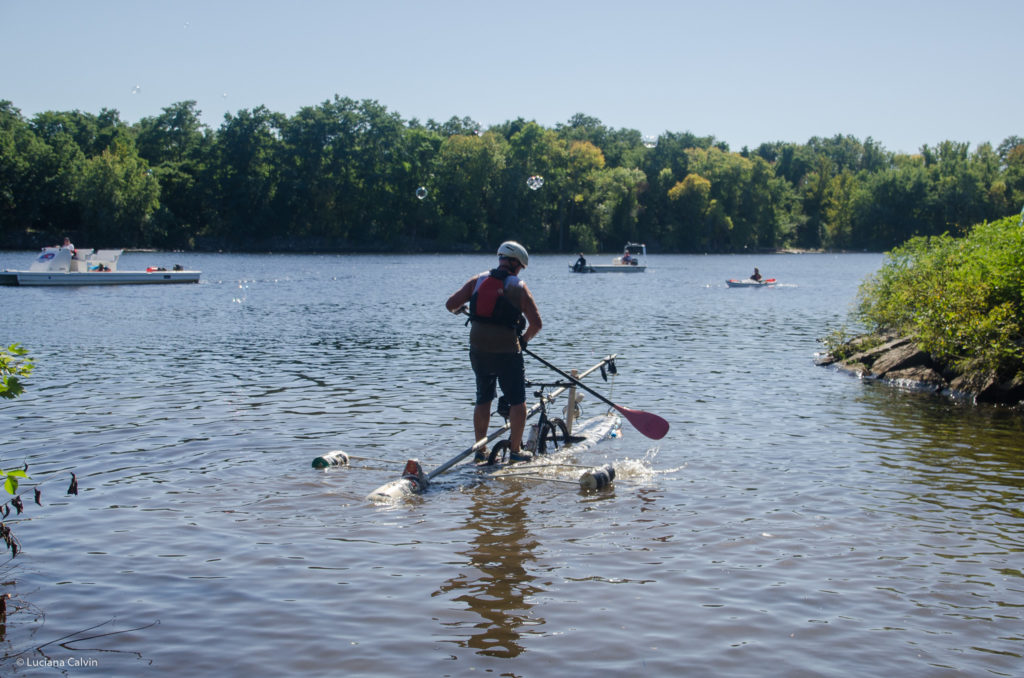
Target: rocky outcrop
<point>898,360</point>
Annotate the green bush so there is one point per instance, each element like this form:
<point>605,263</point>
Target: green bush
<point>961,299</point>
<point>14,366</point>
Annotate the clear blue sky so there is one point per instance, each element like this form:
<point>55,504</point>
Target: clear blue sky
<point>906,73</point>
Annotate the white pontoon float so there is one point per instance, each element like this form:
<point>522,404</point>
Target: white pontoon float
<point>567,438</point>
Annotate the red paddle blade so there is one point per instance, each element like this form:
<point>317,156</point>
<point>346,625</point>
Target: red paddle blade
<point>651,425</point>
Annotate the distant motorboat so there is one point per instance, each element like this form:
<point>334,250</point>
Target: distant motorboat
<point>633,260</point>
<point>57,266</point>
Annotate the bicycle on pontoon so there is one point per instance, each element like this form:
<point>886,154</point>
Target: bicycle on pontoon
<point>546,436</point>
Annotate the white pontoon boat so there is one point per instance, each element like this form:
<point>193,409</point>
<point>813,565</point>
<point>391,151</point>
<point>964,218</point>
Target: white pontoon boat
<point>62,266</point>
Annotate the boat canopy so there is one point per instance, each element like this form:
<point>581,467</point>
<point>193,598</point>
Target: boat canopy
<point>60,260</point>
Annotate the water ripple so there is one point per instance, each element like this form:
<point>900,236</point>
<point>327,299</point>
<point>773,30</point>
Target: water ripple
<point>793,518</point>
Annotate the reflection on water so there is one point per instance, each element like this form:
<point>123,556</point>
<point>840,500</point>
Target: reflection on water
<point>498,583</point>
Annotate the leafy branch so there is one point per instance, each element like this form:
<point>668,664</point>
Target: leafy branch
<point>13,367</point>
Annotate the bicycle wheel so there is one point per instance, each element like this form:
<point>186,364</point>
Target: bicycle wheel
<point>499,453</point>
<point>553,436</point>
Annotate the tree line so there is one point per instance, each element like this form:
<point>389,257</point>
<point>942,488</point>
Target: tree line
<point>350,175</point>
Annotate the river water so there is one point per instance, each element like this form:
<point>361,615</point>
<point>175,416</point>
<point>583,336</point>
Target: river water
<point>795,521</point>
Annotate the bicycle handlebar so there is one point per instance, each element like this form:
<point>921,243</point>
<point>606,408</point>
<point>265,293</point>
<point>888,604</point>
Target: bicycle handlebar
<point>555,384</point>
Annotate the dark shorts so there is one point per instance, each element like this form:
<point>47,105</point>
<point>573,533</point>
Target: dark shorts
<point>504,368</point>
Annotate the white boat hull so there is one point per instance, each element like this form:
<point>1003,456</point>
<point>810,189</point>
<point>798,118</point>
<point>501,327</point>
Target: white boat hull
<point>60,266</point>
<point>55,279</point>
<point>609,268</point>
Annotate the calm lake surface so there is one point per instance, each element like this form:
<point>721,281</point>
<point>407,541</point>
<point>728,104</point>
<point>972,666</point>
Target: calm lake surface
<point>794,522</point>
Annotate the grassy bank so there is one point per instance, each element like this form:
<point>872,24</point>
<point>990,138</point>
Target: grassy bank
<point>960,299</point>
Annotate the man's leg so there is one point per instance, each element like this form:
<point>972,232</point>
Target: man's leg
<point>517,422</point>
<point>482,420</point>
<point>512,379</point>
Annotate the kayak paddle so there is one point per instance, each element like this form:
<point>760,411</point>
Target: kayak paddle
<point>651,425</point>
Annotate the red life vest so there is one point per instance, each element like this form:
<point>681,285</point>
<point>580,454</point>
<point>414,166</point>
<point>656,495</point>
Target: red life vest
<point>488,303</point>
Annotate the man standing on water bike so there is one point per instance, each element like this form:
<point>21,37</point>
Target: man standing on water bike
<point>498,301</point>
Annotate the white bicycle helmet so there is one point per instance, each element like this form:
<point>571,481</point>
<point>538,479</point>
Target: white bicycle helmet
<point>513,250</point>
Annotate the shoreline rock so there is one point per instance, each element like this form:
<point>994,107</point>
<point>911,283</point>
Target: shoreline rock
<point>899,361</point>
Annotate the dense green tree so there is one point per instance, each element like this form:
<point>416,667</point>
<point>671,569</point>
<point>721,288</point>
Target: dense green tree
<point>670,153</point>
<point>847,153</point>
<point>173,136</point>
<point>580,204</point>
<point>177,146</point>
<point>531,214</point>
<point>615,205</point>
<point>38,174</point>
<point>119,195</point>
<point>768,205</point>
<point>466,179</point>
<point>1013,176</point>
<point>347,174</point>
<point>621,148</point>
<point>318,179</point>
<point>245,175</point>
<point>416,200</point>
<point>817,203</point>
<point>1008,145</point>
<point>92,134</point>
<point>794,162</point>
<point>839,213</point>
<point>454,126</point>
<point>692,200</point>
<point>18,146</point>
<point>730,227</point>
<point>890,206</point>
<point>382,182</point>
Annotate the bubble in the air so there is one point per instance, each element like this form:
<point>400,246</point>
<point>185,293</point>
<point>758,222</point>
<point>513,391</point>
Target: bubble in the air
<point>535,182</point>
<point>421,192</point>
<point>135,90</point>
<point>650,141</point>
